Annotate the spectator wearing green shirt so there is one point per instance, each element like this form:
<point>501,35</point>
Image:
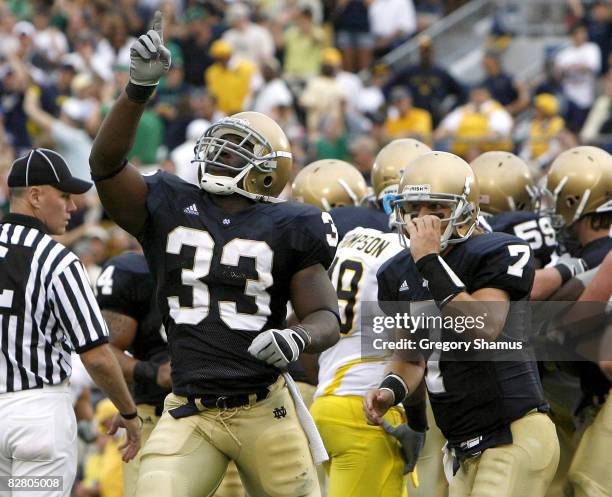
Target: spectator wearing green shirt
<point>21,9</point>
<point>334,142</point>
<point>151,131</point>
<point>149,137</point>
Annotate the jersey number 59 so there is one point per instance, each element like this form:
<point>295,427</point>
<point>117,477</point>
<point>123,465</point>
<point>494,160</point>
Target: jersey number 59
<point>536,232</point>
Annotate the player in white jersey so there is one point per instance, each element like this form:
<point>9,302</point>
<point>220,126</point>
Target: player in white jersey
<point>364,460</point>
<point>342,369</point>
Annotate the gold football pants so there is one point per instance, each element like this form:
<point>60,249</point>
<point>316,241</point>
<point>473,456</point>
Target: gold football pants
<point>130,469</point>
<point>591,471</point>
<point>524,468</point>
<point>188,457</point>
<point>231,486</point>
<point>431,470</point>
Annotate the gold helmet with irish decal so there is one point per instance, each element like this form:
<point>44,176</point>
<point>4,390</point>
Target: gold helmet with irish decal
<point>441,179</point>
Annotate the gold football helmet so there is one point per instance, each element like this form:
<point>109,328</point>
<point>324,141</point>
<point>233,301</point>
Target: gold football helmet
<point>445,179</point>
<point>505,183</point>
<point>329,183</point>
<point>580,183</point>
<point>253,151</point>
<point>391,162</point>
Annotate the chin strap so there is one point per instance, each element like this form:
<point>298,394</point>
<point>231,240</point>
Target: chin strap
<point>226,185</point>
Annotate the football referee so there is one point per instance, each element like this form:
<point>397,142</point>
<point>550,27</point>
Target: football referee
<point>47,310</point>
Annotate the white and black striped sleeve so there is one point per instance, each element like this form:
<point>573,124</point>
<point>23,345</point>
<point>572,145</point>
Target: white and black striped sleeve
<point>75,307</point>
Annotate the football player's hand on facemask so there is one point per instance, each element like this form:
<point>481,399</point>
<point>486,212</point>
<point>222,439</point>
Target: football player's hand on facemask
<point>280,347</point>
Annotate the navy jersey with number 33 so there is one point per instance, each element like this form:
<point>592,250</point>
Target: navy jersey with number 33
<point>223,278</point>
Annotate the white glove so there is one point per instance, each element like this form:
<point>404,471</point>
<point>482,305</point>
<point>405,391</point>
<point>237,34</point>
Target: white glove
<point>280,347</point>
<point>149,58</point>
<point>569,266</point>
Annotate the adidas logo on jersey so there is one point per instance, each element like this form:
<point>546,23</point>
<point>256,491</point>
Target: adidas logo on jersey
<point>192,209</point>
<point>404,287</point>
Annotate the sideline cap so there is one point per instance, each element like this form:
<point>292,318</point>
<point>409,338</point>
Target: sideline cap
<point>45,167</point>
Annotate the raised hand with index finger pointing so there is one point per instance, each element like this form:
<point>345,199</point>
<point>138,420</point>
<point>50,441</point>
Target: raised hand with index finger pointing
<point>149,58</point>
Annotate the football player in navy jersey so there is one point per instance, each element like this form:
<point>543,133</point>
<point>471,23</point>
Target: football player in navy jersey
<point>588,471</point>
<point>510,201</point>
<point>492,411</point>
<point>580,182</point>
<point>339,188</point>
<point>125,291</point>
<point>226,259</point>
<point>386,176</point>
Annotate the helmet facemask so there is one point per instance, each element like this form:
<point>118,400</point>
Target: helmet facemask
<point>532,204</point>
<point>558,220</point>
<point>547,207</point>
<point>355,199</point>
<point>252,148</point>
<point>579,182</point>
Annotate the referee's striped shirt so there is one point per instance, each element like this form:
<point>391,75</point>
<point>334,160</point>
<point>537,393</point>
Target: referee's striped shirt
<point>47,307</point>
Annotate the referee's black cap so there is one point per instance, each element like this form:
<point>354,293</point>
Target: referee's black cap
<point>45,167</point>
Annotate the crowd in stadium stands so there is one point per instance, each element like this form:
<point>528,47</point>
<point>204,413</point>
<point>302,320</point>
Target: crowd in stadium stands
<point>310,64</point>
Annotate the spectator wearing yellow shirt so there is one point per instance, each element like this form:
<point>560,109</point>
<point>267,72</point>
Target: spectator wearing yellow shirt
<point>547,134</point>
<point>103,469</point>
<point>303,43</point>
<point>229,80</point>
<point>406,121</point>
<point>479,126</point>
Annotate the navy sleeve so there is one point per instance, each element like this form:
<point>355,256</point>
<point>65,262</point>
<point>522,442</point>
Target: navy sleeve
<point>349,218</point>
<point>391,277</point>
<point>155,184</point>
<point>509,267</point>
<point>595,252</point>
<point>118,290</point>
<point>155,200</point>
<point>313,240</point>
<point>387,286</point>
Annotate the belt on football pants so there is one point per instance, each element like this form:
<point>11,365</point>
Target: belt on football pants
<point>196,404</point>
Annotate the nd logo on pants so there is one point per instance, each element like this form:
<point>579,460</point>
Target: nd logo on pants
<point>188,457</point>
